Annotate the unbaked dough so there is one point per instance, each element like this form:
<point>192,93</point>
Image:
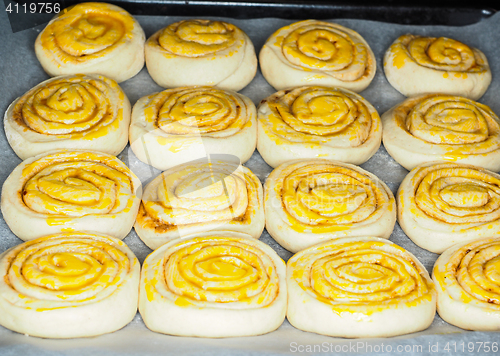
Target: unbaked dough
<point>68,285</point>
<point>201,52</point>
<point>359,287</point>
<point>92,38</point>
<point>218,284</point>
<point>76,112</point>
<point>63,191</point>
<point>310,201</point>
<point>418,65</point>
<point>317,122</point>
<point>315,52</point>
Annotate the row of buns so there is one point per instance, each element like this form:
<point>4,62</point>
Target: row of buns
<point>178,125</point>
<point>99,38</point>
<point>304,202</point>
<point>350,287</point>
<point>228,284</point>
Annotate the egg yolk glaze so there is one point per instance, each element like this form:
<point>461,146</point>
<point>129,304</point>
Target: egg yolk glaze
<point>216,272</point>
<point>320,115</point>
<point>361,276</point>
<point>472,274</point>
<point>325,47</point>
<point>64,270</point>
<point>206,193</point>
<point>77,183</point>
<point>87,32</point>
<point>198,38</point>
<point>195,111</point>
<point>462,195</point>
<point>455,124</point>
<point>76,107</point>
<point>324,197</point>
<point>444,54</point>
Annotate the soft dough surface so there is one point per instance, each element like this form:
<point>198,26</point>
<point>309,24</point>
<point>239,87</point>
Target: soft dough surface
<point>310,201</point>
<point>468,285</point>
<point>418,65</point>
<point>319,53</point>
<point>74,112</point>
<point>221,284</point>
<point>180,125</point>
<point>68,285</point>
<point>71,191</point>
<point>198,197</point>
<point>437,127</point>
<point>317,121</point>
<point>442,204</point>
<point>92,38</point>
<point>359,287</point>
<point>201,52</point>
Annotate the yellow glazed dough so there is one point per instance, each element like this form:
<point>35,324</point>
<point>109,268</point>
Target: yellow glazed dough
<point>315,52</point>
<point>68,285</point>
<point>201,52</point>
<point>468,285</point>
<point>197,197</point>
<point>418,65</point>
<point>64,191</point>
<point>359,287</point>
<point>442,204</point>
<point>221,284</point>
<point>180,125</point>
<point>437,127</point>
<point>92,38</point>
<point>77,111</point>
<point>317,121</point>
<point>310,201</point>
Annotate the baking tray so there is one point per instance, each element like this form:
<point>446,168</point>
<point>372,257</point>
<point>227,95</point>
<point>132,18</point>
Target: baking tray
<point>21,71</point>
<point>412,12</point>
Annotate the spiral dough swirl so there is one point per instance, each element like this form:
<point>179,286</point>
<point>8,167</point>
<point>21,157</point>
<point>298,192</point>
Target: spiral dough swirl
<point>468,278</point>
<point>225,276</point>
<point>178,125</point>
<point>218,272</point>
<point>324,199</point>
<point>92,38</point>
<point>356,285</point>
<point>416,65</point>
<point>318,52</point>
<point>441,127</point>
<point>71,270</point>
<point>353,274</point>
<point>457,202</point>
<point>67,188</point>
<point>80,111</point>
<point>200,197</point>
<point>194,38</point>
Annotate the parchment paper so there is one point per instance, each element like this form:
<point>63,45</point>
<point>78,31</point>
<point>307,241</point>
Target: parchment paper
<point>21,71</point>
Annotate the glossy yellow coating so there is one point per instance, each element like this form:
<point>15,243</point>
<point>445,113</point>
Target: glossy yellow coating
<point>458,125</point>
<point>69,269</point>
<point>366,276</point>
<point>196,111</point>
<point>327,47</point>
<point>72,107</point>
<point>443,54</point>
<point>87,32</point>
<point>76,183</point>
<point>197,38</point>
<point>472,274</point>
<point>220,271</point>
<point>325,197</point>
<point>457,194</point>
<point>319,115</point>
<point>202,193</point>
